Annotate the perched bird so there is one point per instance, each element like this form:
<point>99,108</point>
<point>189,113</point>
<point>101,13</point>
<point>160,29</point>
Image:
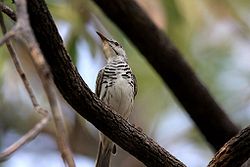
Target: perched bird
<point>116,87</point>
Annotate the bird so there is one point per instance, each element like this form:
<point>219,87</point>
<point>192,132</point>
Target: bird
<point>116,86</point>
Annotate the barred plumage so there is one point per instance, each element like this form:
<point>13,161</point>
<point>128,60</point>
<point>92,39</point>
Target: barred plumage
<point>116,86</point>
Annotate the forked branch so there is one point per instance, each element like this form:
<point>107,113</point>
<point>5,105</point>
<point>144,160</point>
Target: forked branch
<point>23,29</point>
<point>31,134</point>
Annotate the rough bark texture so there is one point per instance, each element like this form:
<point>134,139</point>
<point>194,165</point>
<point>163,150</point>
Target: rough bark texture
<point>235,152</point>
<point>177,74</point>
<point>86,103</point>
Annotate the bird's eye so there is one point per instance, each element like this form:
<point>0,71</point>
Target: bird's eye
<point>116,43</point>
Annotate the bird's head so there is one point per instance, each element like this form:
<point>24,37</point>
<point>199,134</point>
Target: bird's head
<point>112,49</point>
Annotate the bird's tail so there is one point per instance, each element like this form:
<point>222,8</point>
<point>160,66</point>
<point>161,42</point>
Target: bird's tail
<point>106,147</point>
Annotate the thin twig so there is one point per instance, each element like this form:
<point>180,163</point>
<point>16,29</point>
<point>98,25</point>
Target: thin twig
<point>8,11</point>
<point>18,66</point>
<point>46,78</point>
<point>30,135</point>
<point>7,36</point>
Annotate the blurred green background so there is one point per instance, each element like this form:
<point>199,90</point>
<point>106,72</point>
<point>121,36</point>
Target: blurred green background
<point>213,36</point>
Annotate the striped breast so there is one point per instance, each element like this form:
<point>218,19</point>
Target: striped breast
<point>118,87</point>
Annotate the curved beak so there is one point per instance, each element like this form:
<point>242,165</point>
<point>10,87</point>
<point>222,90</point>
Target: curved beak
<point>103,38</point>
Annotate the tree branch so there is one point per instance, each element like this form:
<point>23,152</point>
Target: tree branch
<point>17,63</point>
<point>174,70</point>
<point>45,75</point>
<point>8,11</point>
<point>235,152</point>
<point>29,136</point>
<point>23,30</point>
<point>35,131</point>
<point>86,103</point>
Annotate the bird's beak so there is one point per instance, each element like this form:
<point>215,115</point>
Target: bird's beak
<point>107,48</point>
<point>103,38</point>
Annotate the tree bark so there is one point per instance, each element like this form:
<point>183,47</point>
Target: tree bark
<point>235,152</point>
<point>174,70</point>
<point>86,103</point>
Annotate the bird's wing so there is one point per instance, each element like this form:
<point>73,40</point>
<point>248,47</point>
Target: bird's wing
<point>99,83</point>
<point>135,85</point>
